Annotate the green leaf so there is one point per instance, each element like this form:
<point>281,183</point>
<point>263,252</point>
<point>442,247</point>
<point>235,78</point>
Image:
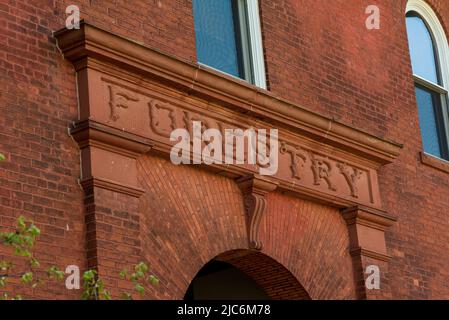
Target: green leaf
<point>124,274</point>
<point>153,280</point>
<point>2,157</point>
<point>126,296</point>
<point>18,251</point>
<point>28,240</point>
<point>34,231</point>
<point>54,273</point>
<point>21,225</point>
<point>9,238</point>
<point>141,267</point>
<point>5,266</point>
<point>106,295</point>
<point>27,277</point>
<point>34,263</point>
<point>2,281</point>
<point>89,275</point>
<point>140,289</point>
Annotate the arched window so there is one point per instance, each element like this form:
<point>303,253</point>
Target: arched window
<point>429,55</point>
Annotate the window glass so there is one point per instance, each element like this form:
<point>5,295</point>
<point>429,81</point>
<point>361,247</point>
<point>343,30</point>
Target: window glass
<point>426,100</point>
<point>216,35</point>
<point>422,51</point>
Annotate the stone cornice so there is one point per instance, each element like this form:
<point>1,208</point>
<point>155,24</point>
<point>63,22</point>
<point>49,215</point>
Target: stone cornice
<point>358,252</point>
<point>94,43</point>
<point>369,217</point>
<point>112,186</point>
<point>91,133</point>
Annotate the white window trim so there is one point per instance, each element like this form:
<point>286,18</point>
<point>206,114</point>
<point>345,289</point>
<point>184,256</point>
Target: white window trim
<point>442,50</point>
<point>251,33</point>
<point>427,13</point>
<point>255,33</point>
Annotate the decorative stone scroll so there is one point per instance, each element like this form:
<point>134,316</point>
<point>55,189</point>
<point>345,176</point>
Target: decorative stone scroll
<point>254,189</point>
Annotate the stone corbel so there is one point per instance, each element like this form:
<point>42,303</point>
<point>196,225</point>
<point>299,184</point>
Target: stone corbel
<point>108,157</point>
<point>367,228</point>
<point>254,189</point>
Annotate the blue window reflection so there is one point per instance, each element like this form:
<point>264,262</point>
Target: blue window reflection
<point>216,31</point>
<point>426,100</point>
<point>422,51</point>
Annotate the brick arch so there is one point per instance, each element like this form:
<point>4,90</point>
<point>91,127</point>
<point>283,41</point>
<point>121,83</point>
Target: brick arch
<point>277,281</point>
<point>191,216</point>
<point>188,216</point>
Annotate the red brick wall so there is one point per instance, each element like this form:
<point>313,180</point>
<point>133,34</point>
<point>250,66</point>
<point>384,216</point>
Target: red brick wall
<point>185,224</point>
<point>37,103</point>
<point>318,54</point>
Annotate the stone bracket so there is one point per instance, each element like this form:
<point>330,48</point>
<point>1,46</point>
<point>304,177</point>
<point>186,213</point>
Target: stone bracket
<point>254,189</point>
<point>366,227</point>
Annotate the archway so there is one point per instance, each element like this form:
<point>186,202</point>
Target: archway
<point>245,275</point>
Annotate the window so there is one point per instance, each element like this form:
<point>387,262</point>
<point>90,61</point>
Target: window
<point>228,38</point>
<point>429,55</point>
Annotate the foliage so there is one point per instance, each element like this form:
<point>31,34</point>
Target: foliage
<point>140,278</point>
<point>22,241</point>
<point>93,287</point>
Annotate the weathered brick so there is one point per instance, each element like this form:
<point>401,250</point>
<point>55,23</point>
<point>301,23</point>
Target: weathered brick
<point>317,54</point>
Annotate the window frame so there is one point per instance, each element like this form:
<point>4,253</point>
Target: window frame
<point>441,48</point>
<point>250,40</point>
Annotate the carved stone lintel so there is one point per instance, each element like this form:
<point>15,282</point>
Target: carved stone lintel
<point>322,170</point>
<point>254,189</point>
<point>119,98</point>
<point>298,159</point>
<point>160,124</point>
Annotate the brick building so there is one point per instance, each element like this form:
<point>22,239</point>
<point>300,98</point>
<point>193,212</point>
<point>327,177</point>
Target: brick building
<point>86,117</point>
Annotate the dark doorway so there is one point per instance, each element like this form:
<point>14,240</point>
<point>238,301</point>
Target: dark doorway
<point>221,281</point>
